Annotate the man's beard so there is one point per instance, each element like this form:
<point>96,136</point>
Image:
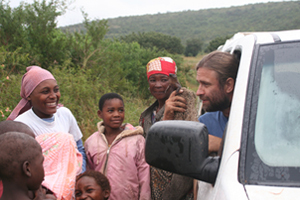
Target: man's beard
<point>217,103</point>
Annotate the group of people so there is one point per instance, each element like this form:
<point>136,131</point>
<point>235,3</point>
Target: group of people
<point>43,155</point>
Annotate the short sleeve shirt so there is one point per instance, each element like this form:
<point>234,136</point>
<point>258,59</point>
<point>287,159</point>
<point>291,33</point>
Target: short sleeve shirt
<point>215,123</point>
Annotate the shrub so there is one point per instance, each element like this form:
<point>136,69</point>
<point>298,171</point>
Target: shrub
<point>193,46</point>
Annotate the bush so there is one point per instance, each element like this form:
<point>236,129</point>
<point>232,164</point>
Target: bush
<point>193,47</point>
<point>215,43</point>
<point>9,90</point>
<point>156,40</point>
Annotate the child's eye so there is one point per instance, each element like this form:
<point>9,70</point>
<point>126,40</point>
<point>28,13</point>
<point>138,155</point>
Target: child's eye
<point>89,190</point>
<point>77,194</point>
<point>56,90</point>
<point>121,110</point>
<point>164,80</point>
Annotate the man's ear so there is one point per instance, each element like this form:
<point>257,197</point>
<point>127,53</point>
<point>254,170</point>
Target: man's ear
<point>99,114</point>
<point>229,85</point>
<point>106,194</point>
<point>26,168</point>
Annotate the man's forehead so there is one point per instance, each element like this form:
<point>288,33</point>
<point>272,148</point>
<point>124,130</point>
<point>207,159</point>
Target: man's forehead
<point>206,74</point>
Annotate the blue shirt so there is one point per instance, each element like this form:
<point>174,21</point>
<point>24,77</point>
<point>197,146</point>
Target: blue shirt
<point>215,122</point>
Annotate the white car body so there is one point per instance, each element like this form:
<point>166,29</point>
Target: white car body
<point>227,185</point>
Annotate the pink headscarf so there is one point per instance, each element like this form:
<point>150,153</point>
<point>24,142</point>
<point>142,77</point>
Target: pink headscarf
<point>31,79</point>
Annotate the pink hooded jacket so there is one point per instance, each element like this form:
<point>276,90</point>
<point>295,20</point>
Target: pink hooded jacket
<point>123,162</point>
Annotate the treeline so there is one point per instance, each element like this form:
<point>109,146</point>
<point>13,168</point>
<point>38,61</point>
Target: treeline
<point>209,24</point>
<point>85,64</point>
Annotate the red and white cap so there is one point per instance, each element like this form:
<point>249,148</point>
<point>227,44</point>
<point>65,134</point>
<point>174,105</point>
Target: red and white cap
<point>161,65</point>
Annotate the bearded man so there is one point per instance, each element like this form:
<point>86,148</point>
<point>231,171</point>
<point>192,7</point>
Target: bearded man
<point>216,75</point>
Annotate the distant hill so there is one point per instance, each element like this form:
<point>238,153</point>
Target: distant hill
<point>210,23</point>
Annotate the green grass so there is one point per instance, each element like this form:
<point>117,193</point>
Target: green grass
<point>191,62</point>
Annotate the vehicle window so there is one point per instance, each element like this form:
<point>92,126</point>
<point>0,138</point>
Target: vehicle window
<point>277,129</point>
<point>271,126</point>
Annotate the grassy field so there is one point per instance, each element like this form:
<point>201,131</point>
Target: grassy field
<point>191,63</point>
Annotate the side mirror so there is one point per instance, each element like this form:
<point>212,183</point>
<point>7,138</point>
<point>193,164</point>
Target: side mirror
<point>177,146</point>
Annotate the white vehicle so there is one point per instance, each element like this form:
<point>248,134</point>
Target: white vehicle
<point>262,140</point>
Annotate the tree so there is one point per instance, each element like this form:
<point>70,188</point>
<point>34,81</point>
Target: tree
<point>86,44</point>
<point>215,43</point>
<point>46,42</point>
<point>12,31</point>
<point>193,46</point>
<point>32,29</point>
<point>161,41</point>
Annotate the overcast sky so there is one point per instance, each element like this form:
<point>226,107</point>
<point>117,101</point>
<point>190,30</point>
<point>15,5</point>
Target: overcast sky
<point>104,9</point>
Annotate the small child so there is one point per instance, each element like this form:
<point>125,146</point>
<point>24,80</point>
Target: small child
<point>21,165</point>
<point>117,151</point>
<point>8,126</point>
<point>92,184</point>
<point>14,126</point>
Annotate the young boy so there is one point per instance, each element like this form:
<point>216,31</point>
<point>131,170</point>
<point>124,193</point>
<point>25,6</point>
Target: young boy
<point>117,151</point>
<point>15,126</point>
<point>21,165</point>
<point>8,126</point>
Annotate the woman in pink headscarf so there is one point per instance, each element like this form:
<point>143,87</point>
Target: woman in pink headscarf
<point>56,130</point>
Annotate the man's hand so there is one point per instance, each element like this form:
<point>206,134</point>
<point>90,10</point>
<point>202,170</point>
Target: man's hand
<point>174,103</point>
<point>214,144</point>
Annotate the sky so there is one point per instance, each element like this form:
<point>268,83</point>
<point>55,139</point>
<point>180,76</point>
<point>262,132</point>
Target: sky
<point>105,9</point>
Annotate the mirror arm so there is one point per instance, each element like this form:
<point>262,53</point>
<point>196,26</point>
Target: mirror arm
<point>208,170</point>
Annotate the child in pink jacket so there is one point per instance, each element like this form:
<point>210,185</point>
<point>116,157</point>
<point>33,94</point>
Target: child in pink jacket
<point>117,151</point>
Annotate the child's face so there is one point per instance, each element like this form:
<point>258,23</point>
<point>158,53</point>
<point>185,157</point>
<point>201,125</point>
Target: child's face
<point>44,98</point>
<point>112,113</point>
<point>87,188</point>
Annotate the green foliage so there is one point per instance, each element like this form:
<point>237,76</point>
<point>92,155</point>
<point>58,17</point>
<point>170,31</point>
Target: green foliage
<point>12,31</point>
<point>85,46</point>
<point>13,60</point>
<point>9,90</point>
<point>154,39</point>
<point>193,47</point>
<point>46,43</point>
<point>215,43</point>
<point>33,27</point>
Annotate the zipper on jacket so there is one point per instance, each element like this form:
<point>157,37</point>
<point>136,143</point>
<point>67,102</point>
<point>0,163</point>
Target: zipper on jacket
<point>107,154</point>
<point>108,151</point>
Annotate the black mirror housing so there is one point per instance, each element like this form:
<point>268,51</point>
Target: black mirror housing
<point>177,146</point>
